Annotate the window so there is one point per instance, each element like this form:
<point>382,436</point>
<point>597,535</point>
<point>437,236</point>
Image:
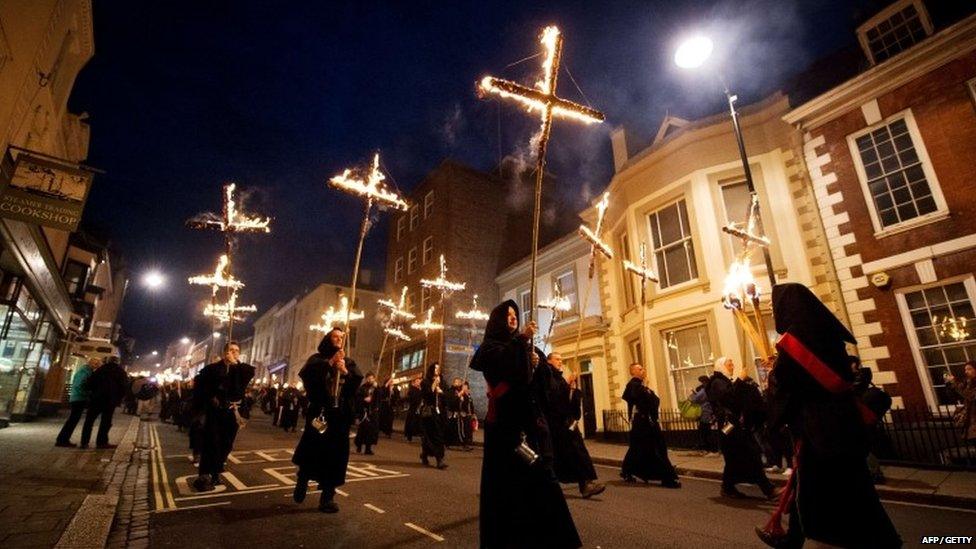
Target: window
<point>412,260</point>
<point>674,253</point>
<point>412,302</point>
<point>689,352</point>
<point>636,351</point>
<point>738,202</point>
<point>401,226</point>
<point>525,305</point>
<point>894,30</point>
<point>933,318</point>
<point>630,289</point>
<point>424,299</point>
<point>414,217</point>
<point>428,204</point>
<point>567,286</point>
<point>428,250</point>
<point>398,271</point>
<point>76,278</point>
<point>896,179</point>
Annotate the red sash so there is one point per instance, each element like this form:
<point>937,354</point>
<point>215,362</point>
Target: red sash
<point>494,393</point>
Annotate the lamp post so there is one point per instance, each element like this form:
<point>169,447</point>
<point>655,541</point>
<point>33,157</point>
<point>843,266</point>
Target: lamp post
<point>692,54</point>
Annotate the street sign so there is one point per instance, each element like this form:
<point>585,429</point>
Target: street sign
<point>44,191</point>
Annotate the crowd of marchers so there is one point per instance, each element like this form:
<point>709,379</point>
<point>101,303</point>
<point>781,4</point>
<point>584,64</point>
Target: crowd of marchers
<point>815,417</point>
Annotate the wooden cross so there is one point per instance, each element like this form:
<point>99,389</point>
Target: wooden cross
<point>748,232</point>
<point>558,304</point>
<point>642,272</point>
<point>541,99</point>
<point>441,283</point>
<point>343,315</point>
<point>428,325</point>
<point>593,236</point>
<point>229,311</point>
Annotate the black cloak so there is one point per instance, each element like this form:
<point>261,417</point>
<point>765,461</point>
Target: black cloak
<point>647,454</point>
<point>521,505</point>
<point>216,387</point>
<point>562,406</point>
<point>836,502</point>
<point>432,412</point>
<point>323,457</point>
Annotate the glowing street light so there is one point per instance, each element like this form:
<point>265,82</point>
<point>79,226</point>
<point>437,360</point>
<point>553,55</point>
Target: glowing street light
<point>693,52</point>
<point>155,353</point>
<point>185,341</point>
<point>153,280</point>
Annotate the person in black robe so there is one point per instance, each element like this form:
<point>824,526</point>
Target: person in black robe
<point>521,502</point>
<point>831,497</point>
<point>411,425</point>
<point>454,432</point>
<point>290,408</point>
<point>324,456</point>
<point>218,392</point>
<point>367,412</point>
<point>562,403</point>
<point>737,406</point>
<point>647,454</point>
<point>386,398</point>
<point>468,417</point>
<point>432,417</point>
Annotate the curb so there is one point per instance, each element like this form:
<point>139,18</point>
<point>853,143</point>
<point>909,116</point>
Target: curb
<point>91,524</point>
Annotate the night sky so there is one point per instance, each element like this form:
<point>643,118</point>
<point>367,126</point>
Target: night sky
<point>183,96</point>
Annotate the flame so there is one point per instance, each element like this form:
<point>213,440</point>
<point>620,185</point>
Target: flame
<point>501,88</point>
<point>441,282</point>
<point>220,278</point>
<point>558,303</point>
<point>472,314</point>
<point>641,270</point>
<point>397,310</point>
<point>397,333</point>
<point>371,188</point>
<point>230,310</point>
<point>601,208</point>
<point>953,327</point>
<point>332,316</point>
<point>428,325</point>
<point>237,222</point>
<point>595,241</point>
<point>739,286</point>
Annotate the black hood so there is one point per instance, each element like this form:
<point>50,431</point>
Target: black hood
<point>497,327</point>
<point>796,309</point>
<point>326,348</point>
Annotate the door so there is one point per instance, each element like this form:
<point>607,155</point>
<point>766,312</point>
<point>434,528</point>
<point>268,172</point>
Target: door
<point>589,408</point>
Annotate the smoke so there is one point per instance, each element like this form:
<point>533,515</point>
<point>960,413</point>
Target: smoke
<point>452,125</point>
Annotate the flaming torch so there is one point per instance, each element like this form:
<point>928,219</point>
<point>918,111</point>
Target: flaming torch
<point>557,305</point>
<point>372,190</point>
<point>473,315</point>
<point>541,99</point>
<point>446,288</point>
<point>332,316</point>
<point>597,246</point>
<point>397,311</point>
<point>427,325</point>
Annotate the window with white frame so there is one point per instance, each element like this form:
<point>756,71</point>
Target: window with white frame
<point>398,270</point>
<point>636,351</point>
<point>428,204</point>
<point>525,305</point>
<point>893,167</point>
<point>567,287</point>
<point>412,260</point>
<point>935,318</point>
<point>630,289</point>
<point>428,250</point>
<point>424,298</point>
<point>414,217</point>
<point>401,226</point>
<point>674,251</point>
<point>689,352</point>
<point>894,30</point>
<point>737,201</point>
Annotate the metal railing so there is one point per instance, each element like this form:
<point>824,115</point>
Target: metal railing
<point>909,437</point>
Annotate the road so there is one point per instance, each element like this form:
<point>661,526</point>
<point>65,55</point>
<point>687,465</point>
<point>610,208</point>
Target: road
<point>391,500</point>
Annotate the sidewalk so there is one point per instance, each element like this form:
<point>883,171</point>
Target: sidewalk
<point>59,496</point>
<point>904,484</point>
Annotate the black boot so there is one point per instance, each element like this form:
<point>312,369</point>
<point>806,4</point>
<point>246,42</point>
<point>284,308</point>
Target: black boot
<point>327,502</point>
<point>301,488</point>
<point>440,464</point>
<point>369,450</point>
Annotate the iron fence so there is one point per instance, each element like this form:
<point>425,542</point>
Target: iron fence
<point>910,437</point>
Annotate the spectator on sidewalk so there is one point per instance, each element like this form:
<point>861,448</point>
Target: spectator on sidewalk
<point>107,385</point>
<point>145,390</point>
<point>967,390</point>
<point>78,398</point>
<point>707,417</point>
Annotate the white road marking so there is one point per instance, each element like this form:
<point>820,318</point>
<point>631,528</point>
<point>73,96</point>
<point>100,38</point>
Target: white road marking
<point>427,533</point>
<point>373,507</point>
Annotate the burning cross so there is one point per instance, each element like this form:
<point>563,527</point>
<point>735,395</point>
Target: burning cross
<point>230,311</point>
<point>441,283</point>
<point>559,304</point>
<point>231,220</point>
<point>397,310</point>
<point>642,272</point>
<point>428,325</point>
<point>331,317</point>
<point>542,99</point>
<point>593,236</point>
<point>747,232</point>
<point>473,314</point>
<point>221,277</point>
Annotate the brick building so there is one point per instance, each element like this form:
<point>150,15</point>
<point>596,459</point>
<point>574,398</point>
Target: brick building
<point>891,152</point>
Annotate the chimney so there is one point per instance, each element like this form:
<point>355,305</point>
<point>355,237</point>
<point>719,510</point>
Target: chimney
<point>618,140</point>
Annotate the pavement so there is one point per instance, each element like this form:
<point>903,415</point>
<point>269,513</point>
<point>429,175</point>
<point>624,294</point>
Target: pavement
<point>56,497</point>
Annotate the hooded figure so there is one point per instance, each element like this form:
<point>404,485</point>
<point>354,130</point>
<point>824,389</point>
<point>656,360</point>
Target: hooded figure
<point>522,504</point>
<point>833,499</point>
<point>432,409</point>
<point>323,457</point>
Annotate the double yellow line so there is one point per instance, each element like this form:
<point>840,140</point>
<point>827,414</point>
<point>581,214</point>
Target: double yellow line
<point>161,491</point>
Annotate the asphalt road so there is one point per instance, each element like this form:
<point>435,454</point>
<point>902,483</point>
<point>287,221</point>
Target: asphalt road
<point>391,500</point>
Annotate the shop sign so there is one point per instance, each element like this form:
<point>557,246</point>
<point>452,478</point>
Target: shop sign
<point>44,191</point>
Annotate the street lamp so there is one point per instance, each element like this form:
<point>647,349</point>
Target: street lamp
<point>153,280</point>
<point>185,341</point>
<point>155,353</point>
<point>691,54</point>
